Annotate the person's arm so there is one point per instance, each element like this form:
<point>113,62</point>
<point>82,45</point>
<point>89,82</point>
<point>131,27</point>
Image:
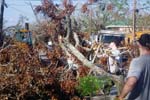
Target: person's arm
<point>129,85</point>
<point>134,73</point>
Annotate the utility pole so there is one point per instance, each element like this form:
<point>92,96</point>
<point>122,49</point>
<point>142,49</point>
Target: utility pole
<point>90,19</point>
<point>134,19</point>
<point>2,3</point>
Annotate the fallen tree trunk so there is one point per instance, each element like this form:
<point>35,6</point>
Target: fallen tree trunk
<point>80,57</point>
<point>70,48</point>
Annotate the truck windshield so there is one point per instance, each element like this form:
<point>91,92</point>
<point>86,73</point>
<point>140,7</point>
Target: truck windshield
<point>111,38</point>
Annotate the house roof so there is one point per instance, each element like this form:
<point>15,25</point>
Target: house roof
<point>118,26</point>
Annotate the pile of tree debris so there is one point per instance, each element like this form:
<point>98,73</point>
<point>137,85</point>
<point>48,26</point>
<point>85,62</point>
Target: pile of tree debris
<point>24,76</point>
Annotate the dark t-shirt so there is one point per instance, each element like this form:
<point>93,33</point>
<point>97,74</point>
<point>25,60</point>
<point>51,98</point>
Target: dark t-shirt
<point>140,68</point>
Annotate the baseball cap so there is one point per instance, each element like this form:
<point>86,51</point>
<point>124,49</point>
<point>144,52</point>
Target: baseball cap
<point>144,40</point>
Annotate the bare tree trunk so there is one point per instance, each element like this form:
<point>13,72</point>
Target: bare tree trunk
<point>1,21</point>
<point>69,27</point>
<point>35,13</point>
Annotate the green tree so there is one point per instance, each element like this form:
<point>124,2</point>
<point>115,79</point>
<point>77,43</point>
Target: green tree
<point>100,13</point>
<point>143,15</point>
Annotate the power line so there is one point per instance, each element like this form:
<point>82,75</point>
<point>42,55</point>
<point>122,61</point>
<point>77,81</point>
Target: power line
<point>18,4</point>
<point>26,0</point>
<point>23,12</point>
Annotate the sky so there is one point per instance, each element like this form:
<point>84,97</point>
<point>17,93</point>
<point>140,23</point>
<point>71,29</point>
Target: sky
<point>16,8</point>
